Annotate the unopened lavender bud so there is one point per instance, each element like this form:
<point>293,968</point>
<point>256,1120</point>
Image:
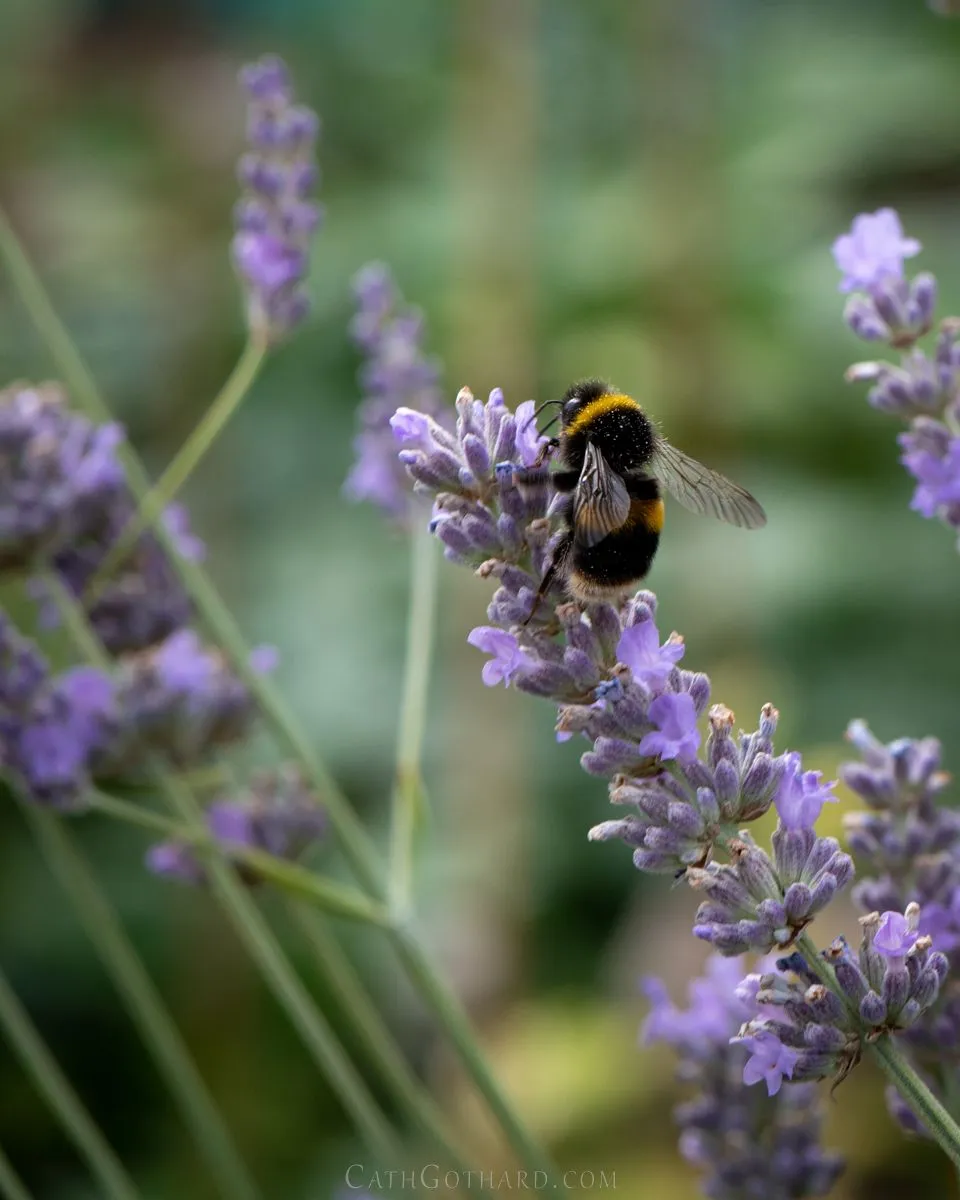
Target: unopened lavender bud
<point>824,1039</point>
<point>699,688</point>
<point>825,1004</point>
<point>709,808</point>
<point>797,902</point>
<point>864,319</point>
<point>727,789</point>
<point>475,452</point>
<point>758,787</point>
<point>896,988</point>
<point>873,1009</point>
<point>757,872</point>
<point>922,301</point>
<point>720,743</point>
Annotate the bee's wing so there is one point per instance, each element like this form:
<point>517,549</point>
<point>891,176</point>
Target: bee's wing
<point>601,503</point>
<point>702,490</point>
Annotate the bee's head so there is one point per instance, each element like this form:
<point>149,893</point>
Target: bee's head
<point>579,396</point>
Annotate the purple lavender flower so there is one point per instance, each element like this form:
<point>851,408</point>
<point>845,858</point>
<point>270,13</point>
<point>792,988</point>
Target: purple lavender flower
<point>179,700</point>
<point>58,472</point>
<point>508,659</point>
<point>873,251</point>
<point>744,1148</point>
<point>395,374</point>
<point>932,455</point>
<point>802,796</point>
<point>676,735</point>
<point>895,936</point>
<point>143,601</point>
<point>769,1061</point>
<point>871,260</point>
<point>50,727</point>
<point>650,663</point>
<point>275,219</point>
<point>278,814</point>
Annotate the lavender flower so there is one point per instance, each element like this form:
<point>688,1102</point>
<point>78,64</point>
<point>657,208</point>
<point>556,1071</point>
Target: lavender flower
<point>744,1148</point>
<point>275,218</point>
<point>922,388</point>
<point>278,815</point>
<point>907,842</point>
<point>143,601</point>
<point>179,700</point>
<point>50,727</point>
<point>58,473</point>
<point>884,990</point>
<point>395,373</point>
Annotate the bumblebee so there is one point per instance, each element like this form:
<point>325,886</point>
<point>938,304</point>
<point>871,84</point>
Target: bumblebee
<point>613,463</point>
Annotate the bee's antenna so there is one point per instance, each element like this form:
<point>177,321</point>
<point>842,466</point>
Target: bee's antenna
<point>539,409</point>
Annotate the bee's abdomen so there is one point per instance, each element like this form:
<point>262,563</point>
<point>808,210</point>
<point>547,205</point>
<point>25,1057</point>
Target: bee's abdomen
<point>620,561</point>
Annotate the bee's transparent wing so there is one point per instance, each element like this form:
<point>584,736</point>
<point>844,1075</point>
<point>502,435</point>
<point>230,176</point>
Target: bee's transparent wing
<point>601,503</point>
<point>702,490</point>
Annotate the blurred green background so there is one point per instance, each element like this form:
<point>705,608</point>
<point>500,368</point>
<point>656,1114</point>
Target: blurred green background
<point>643,191</point>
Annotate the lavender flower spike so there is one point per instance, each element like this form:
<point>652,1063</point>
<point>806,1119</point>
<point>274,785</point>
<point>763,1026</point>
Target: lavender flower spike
<point>278,814</point>
<point>275,218</point>
<point>886,307</point>
<point>395,373</point>
<point>743,1148</point>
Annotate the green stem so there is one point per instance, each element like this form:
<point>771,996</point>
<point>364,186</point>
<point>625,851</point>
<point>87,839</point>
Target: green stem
<point>251,927</point>
<point>12,1186</point>
<point>450,1013</point>
<point>356,843</point>
<point>184,463</point>
<point>157,1027</point>
<point>408,802</point>
<point>51,1081</point>
<point>316,1034</point>
<point>333,897</point>
<point>342,980</point>
<point>895,1065</point>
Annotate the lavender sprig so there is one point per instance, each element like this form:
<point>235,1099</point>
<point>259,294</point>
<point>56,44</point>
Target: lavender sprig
<point>276,217</point>
<point>923,389</point>
<point>744,1147</point>
<point>618,684</point>
<point>395,372</point>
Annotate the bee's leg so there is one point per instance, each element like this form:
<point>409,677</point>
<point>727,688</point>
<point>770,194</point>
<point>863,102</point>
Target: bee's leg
<point>535,472</point>
<point>556,565</point>
<point>565,481</point>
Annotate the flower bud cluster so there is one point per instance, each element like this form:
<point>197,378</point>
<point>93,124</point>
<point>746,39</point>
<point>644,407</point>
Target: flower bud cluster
<point>395,372</point>
<point>922,389</point>
<point>806,1030</point>
<point>744,1148</point>
<point>275,219</point>
<point>906,842</point>
<point>277,814</point>
<point>67,501</point>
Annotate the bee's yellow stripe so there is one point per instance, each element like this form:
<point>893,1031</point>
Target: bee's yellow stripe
<point>648,513</point>
<point>608,402</point>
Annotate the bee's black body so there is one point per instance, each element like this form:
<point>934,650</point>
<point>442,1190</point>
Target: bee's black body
<point>612,465</point>
<point>594,412</point>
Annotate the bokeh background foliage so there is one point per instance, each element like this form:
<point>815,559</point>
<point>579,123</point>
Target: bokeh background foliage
<point>645,191</point>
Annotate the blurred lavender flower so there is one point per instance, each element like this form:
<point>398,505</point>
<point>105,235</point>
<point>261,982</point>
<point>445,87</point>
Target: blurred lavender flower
<point>395,373</point>
<point>885,989</point>
<point>58,473</point>
<point>870,257</point>
<point>143,601</point>
<point>275,218</point>
<point>908,847</point>
<point>278,814</point>
<point>770,1148</point>
<point>921,389</point>
<point>50,727</point>
<point>178,699</point>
